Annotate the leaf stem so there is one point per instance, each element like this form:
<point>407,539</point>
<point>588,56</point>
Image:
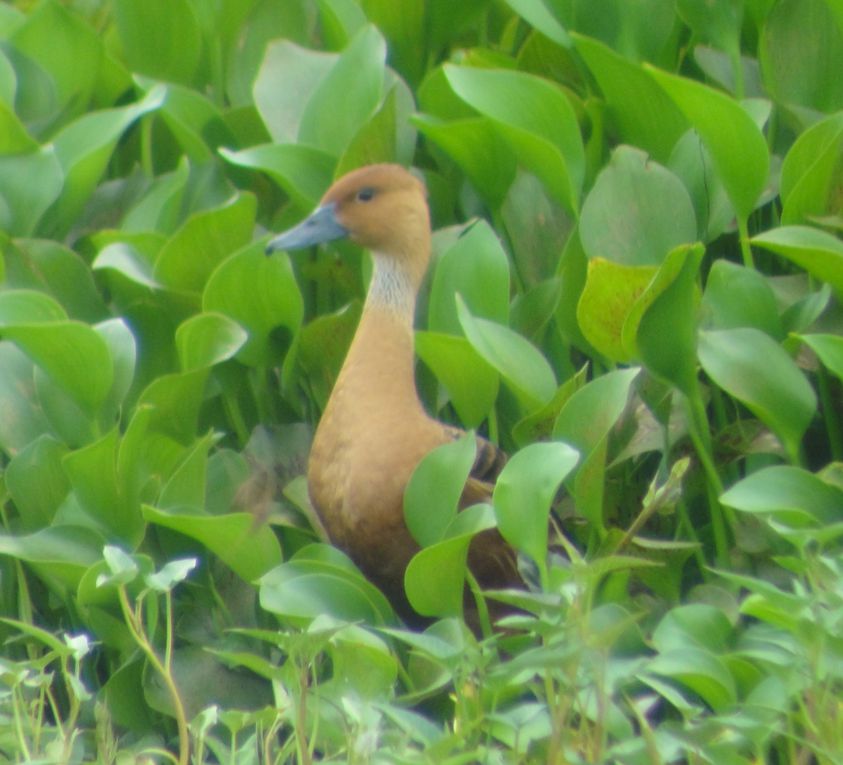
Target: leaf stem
<point>746,250</point>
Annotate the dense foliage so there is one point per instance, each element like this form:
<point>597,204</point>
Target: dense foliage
<point>635,291</point>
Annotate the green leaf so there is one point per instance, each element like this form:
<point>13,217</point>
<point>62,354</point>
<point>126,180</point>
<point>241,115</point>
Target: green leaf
<point>58,553</point>
<point>36,481</point>
<point>435,488</point>
<point>23,420</point>
<point>830,350</point>
<point>435,577</point>
<point>476,268</point>
<point>321,580</point>
<point>29,185</point>
<point>788,494</point>
<point>356,81</point>
<point>161,38</point>
<point>736,296</point>
<point>536,118</point>
<point>636,212</point>
<point>520,364</point>
<point>261,294</point>
<point>304,173</point>
<point>28,307</point>
<point>541,18</point>
<point>812,172</point>
<point>819,253</point>
<point>700,671</point>
<point>72,354</point>
<point>524,492</point>
<point>187,259</point>
<point>696,624</point>
<point>206,339</point>
<point>585,422</point>
<point>753,368</point>
<point>248,550</point>
<point>737,147</point>
<point>801,43</point>
<point>640,110</point>
<point>472,384</point>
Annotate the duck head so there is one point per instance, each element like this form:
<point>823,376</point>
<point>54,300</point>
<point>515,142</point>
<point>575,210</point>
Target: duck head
<point>383,208</point>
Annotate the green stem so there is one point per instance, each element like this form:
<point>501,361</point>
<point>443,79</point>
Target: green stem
<point>134,623</point>
<point>746,250</point>
<point>831,416</point>
<point>482,609</point>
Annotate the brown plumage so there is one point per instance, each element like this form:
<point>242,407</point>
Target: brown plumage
<point>374,430</point>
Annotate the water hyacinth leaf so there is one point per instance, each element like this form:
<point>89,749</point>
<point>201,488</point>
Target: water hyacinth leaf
<point>477,268</point>
<point>400,25</point>
<point>435,577</point>
<point>540,17</point>
<point>304,173</point>
<point>644,115</point>
<point>470,142</point>
<point>187,259</point>
<point>29,185</point>
<point>186,486</point>
<point>13,136</point>
<point>319,580</point>
<point>24,419</point>
<point>812,172</point>
<point>171,574</point>
<point>538,121</point>
<point>122,348</point>
<point>611,289</point>
<point>830,350</point>
<point>699,670</point>
<point>23,306</point>
<point>248,550</point>
<point>471,383</point>
<point>159,209</point>
<point>356,80</point>
<point>206,339</point>
<point>753,368</point>
<point>636,212</point>
<point>800,44</point>
<point>261,294</point>
<point>524,492</point>
<point>127,261</point>
<point>788,494</point>
<point>736,296</point>
<point>696,624</point>
<point>819,253</point>
<point>665,327</point>
<point>74,356</point>
<point>434,489</point>
<point>375,141</point>
<point>161,39</point>
<point>521,365</point>
<point>36,481</point>
<point>174,401</point>
<point>737,147</point>
<point>92,471</point>
<point>59,553</point>
<point>717,22</point>
<point>83,149</point>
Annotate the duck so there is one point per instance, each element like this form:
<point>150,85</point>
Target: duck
<point>374,429</point>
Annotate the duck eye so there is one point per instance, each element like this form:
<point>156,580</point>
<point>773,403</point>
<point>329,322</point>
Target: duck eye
<point>366,194</point>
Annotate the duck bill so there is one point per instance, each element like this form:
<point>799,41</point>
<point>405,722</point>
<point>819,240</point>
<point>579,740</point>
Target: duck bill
<point>321,226</point>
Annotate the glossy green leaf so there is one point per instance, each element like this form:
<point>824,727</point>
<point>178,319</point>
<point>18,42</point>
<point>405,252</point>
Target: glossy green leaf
<point>23,420</point>
<point>29,185</point>
<point>643,114</point>
<point>435,488</point>
<point>737,147</point>
<point>524,492</point>
<point>830,350</point>
<point>541,18</point>
<point>800,44</point>
<point>520,364</point>
<point>161,39</point>
<point>206,339</point>
<point>203,242</point>
<point>538,121</point>
<point>696,624</point>
<point>248,550</point>
<point>664,327</point>
<point>700,671</point>
<point>174,401</point>
<point>736,296</point>
<point>789,494</point>
<point>718,22</point>
<point>72,354</point>
<point>355,81</point>
<point>584,423</point>
<point>476,268</point>
<point>36,481</point>
<point>435,577</point>
<point>471,383</point>
<point>819,253</point>
<point>261,294</point>
<point>753,368</point>
<point>611,290</point>
<point>321,580</point>
<point>812,172</point>
<point>636,212</point>
<point>29,307</point>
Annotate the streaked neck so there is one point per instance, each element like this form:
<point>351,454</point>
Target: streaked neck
<point>392,288</point>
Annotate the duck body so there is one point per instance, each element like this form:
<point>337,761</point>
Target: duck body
<point>374,430</point>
